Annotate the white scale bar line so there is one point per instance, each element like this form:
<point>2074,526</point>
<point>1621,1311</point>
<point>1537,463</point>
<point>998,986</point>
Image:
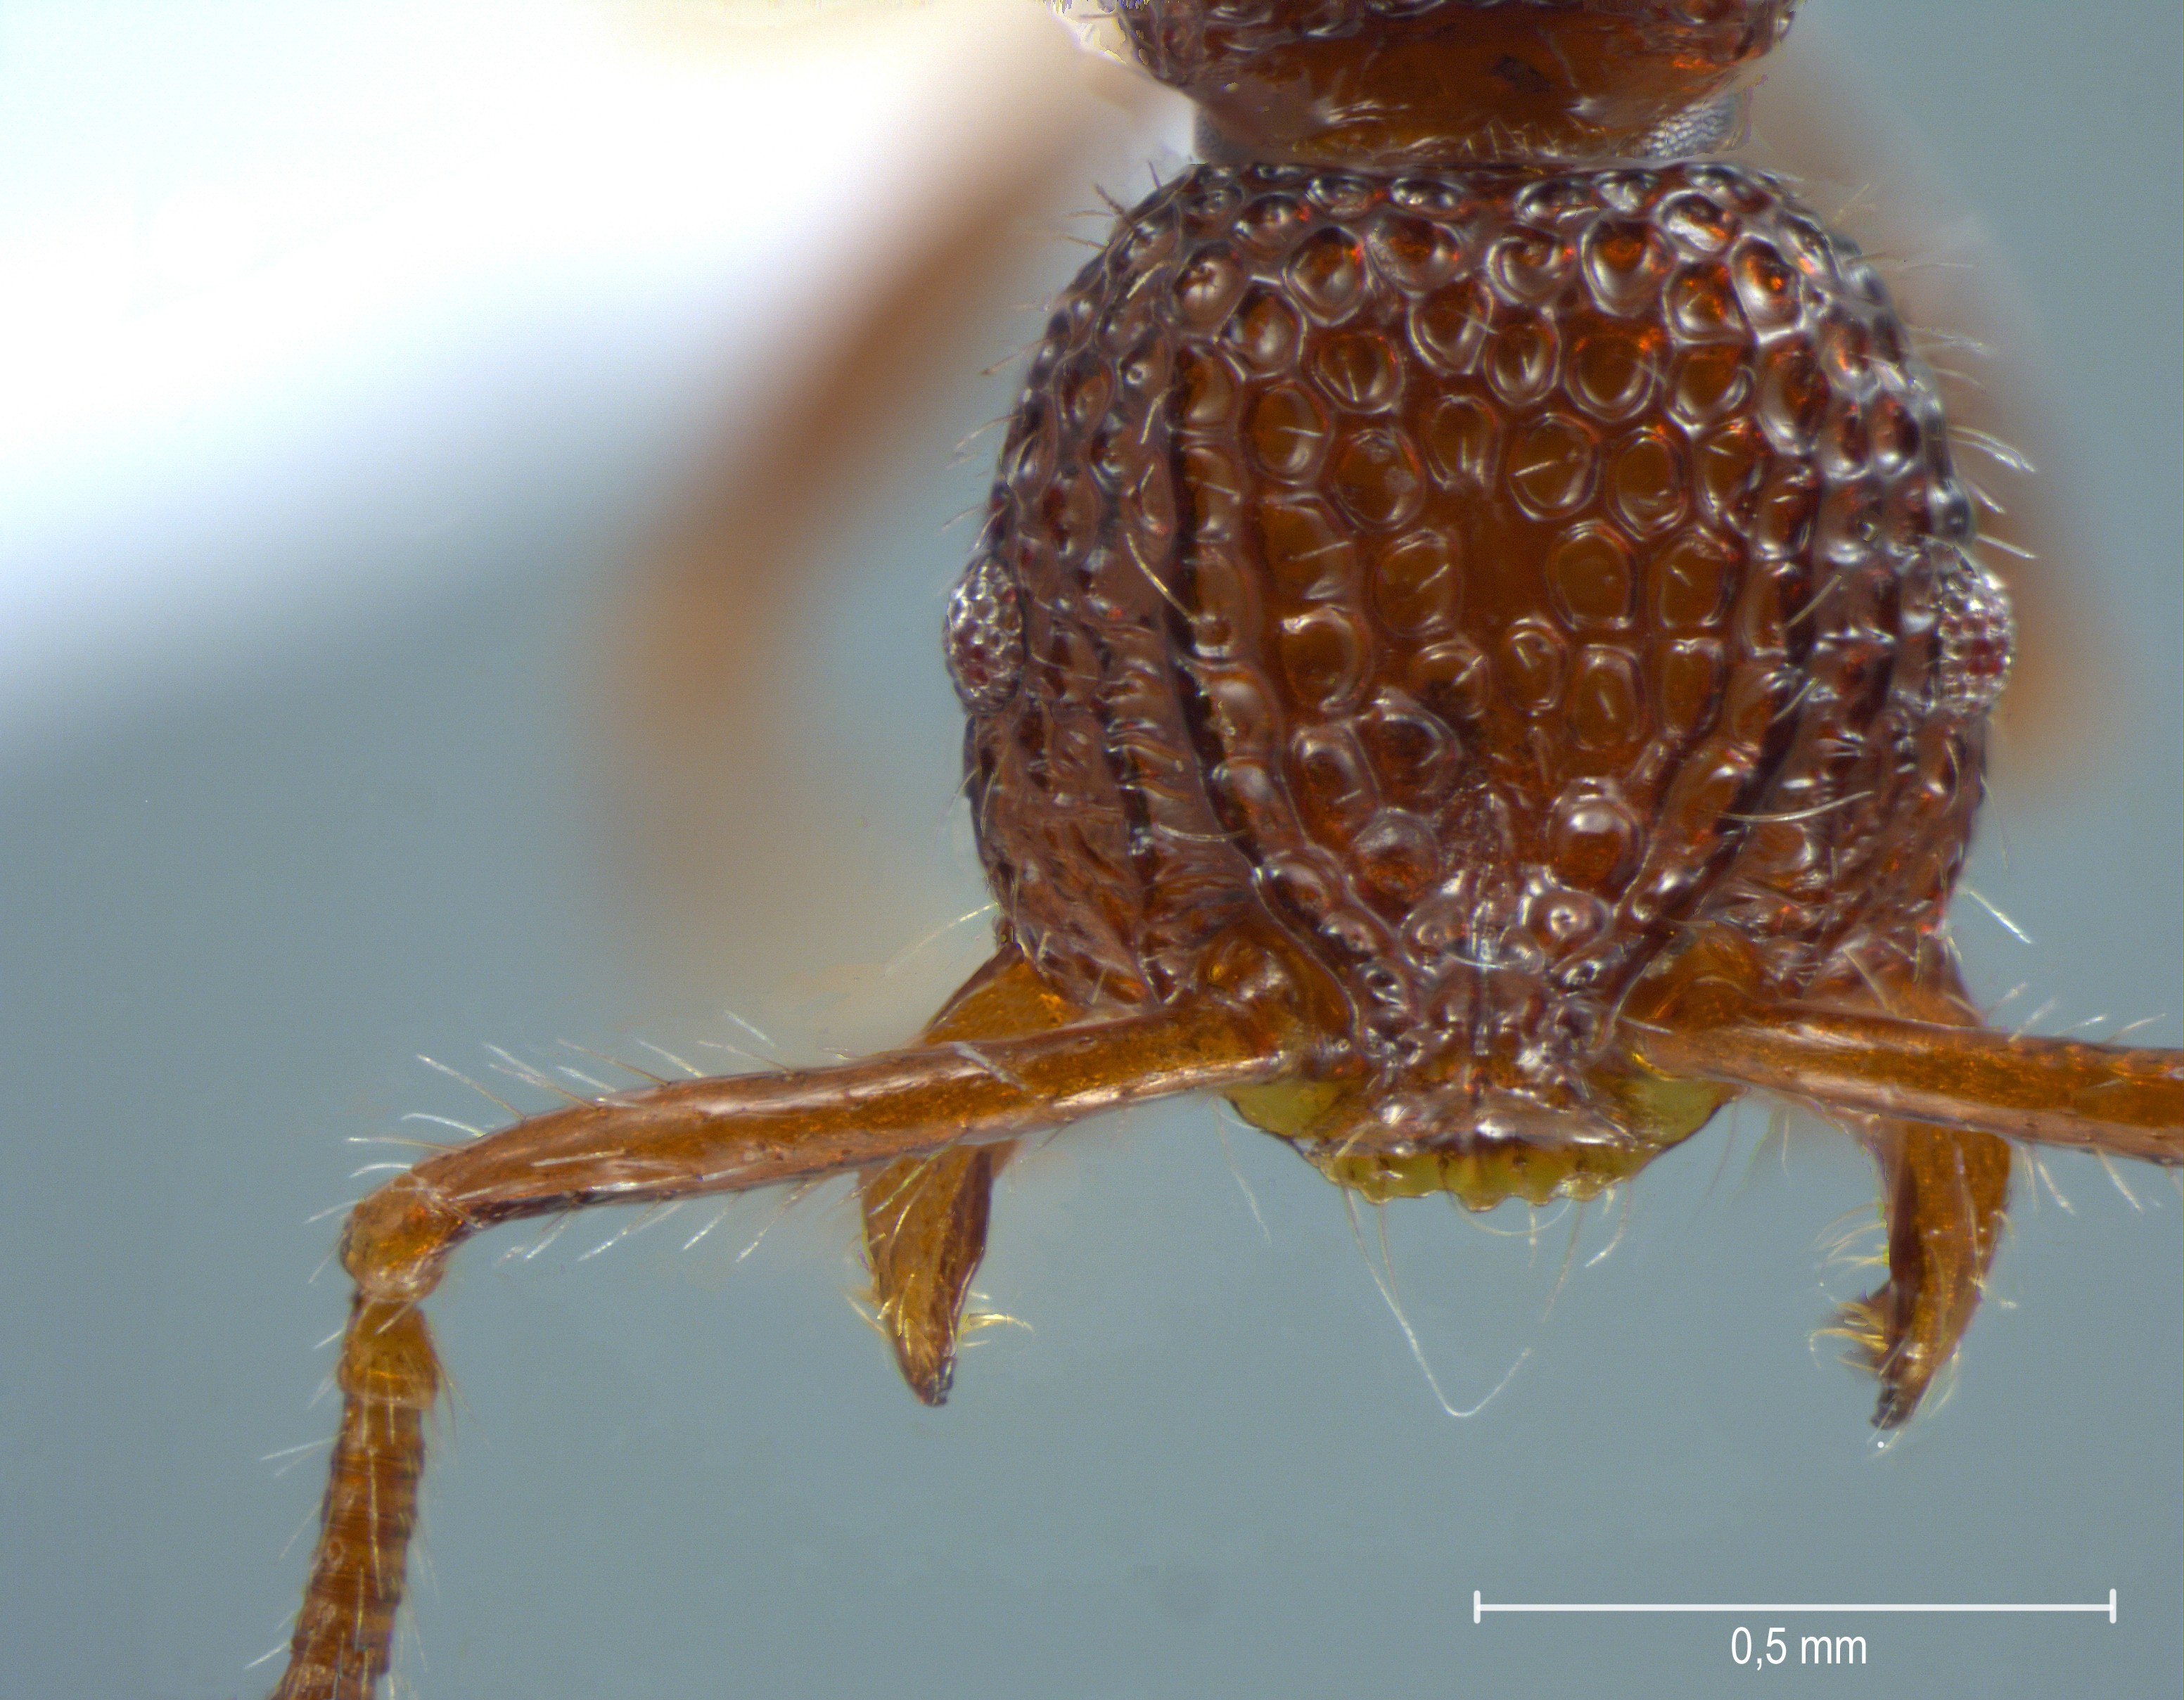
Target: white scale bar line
<point>1480,1607</point>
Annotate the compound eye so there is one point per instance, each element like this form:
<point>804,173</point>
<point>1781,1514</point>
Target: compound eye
<point>1975,635</point>
<point>985,636</point>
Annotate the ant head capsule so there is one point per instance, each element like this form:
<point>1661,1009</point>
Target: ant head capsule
<point>1517,597</point>
<point>1386,82</point>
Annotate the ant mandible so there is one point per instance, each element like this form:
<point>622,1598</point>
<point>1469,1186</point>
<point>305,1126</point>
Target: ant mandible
<point>1477,652</point>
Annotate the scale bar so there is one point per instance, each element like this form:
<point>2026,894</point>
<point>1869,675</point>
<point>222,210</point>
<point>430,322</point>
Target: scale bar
<point>1480,1607</point>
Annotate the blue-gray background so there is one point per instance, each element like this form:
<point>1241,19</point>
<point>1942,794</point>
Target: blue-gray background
<point>234,901</point>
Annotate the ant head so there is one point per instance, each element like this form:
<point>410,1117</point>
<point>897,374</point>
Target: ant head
<point>1392,82</point>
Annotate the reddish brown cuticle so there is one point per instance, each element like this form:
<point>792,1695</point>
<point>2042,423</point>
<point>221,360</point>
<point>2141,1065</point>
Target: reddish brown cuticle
<point>1476,653</point>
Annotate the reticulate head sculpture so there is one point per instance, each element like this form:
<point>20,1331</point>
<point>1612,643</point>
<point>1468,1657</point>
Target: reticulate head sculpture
<point>1509,594</point>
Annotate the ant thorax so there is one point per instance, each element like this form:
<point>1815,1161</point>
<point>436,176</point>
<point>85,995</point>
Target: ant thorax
<point>1510,591</point>
<point>1441,82</point>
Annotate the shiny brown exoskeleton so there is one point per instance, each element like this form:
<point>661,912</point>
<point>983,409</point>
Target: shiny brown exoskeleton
<point>1477,652</point>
